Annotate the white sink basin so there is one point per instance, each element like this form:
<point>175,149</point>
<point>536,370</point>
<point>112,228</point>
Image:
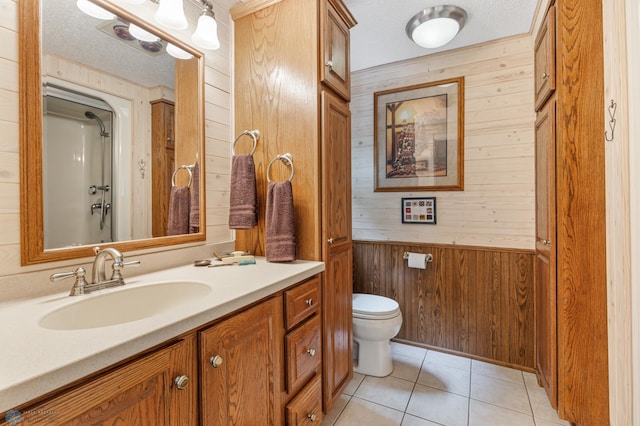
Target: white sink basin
<point>124,305</point>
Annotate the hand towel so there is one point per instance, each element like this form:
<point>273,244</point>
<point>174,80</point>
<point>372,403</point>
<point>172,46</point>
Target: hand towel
<point>178,222</point>
<point>243,205</point>
<point>280,223</point>
<point>194,207</point>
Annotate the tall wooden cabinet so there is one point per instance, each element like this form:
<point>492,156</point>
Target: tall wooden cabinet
<point>292,82</point>
<point>163,146</point>
<point>571,287</point>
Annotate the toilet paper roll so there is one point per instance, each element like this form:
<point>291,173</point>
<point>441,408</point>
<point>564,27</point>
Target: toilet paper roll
<point>417,260</point>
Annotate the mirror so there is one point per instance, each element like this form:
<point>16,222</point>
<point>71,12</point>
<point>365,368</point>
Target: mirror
<point>129,117</point>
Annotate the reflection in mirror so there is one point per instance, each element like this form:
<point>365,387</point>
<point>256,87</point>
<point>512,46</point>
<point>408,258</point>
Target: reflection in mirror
<point>109,119</point>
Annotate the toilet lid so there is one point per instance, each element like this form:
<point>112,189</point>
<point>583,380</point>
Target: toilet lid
<point>371,306</point>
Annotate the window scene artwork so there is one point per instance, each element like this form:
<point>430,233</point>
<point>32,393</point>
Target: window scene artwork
<point>419,137</point>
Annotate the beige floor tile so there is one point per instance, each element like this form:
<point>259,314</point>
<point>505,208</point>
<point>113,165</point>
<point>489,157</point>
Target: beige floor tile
<point>406,368</point>
<point>483,414</point>
<point>500,392</point>
<point>408,350</point>
<point>388,391</point>
<point>351,388</point>
<point>338,407</point>
<point>438,406</point>
<point>410,420</point>
<point>541,406</point>
<point>543,422</point>
<point>443,377</point>
<point>360,412</point>
<point>448,360</point>
<point>530,380</point>
<point>497,371</point>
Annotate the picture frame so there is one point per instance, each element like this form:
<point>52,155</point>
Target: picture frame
<point>419,210</point>
<point>419,137</point>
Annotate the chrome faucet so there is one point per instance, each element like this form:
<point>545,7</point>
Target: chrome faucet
<point>100,281</point>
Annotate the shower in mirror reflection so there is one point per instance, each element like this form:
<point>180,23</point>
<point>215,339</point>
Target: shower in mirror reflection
<point>77,172</point>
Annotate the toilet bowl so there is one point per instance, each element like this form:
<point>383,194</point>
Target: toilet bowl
<point>376,319</point>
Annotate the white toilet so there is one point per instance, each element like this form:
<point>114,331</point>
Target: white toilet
<point>376,320</point>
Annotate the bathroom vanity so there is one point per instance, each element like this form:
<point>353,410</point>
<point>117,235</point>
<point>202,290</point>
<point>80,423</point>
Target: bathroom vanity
<point>245,347</point>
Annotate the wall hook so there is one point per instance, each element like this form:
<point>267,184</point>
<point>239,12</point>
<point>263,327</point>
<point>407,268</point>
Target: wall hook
<point>141,167</point>
<point>612,121</point>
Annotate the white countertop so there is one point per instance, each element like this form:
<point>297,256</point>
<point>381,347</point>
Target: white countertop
<point>34,360</point>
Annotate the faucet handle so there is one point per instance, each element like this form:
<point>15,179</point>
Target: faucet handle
<point>78,285</point>
<point>117,268</point>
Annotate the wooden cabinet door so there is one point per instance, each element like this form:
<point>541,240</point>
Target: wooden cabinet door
<point>337,247</point>
<point>163,163</point>
<point>545,274</point>
<point>143,392</point>
<point>336,170</point>
<point>545,59</point>
<point>334,42</point>
<point>337,356</point>
<point>240,364</point>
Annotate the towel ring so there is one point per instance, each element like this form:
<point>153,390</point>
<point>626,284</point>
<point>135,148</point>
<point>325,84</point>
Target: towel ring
<point>255,135</point>
<point>286,159</point>
<point>187,168</point>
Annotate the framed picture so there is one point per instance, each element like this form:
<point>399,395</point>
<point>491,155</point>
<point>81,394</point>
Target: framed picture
<point>419,137</point>
<point>419,210</point>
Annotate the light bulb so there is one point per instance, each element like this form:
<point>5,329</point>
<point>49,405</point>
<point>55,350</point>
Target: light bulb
<point>206,33</point>
<point>94,10</point>
<point>178,53</point>
<point>142,34</point>
<point>170,14</point>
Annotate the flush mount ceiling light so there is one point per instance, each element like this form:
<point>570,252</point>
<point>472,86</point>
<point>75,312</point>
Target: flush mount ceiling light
<point>436,26</point>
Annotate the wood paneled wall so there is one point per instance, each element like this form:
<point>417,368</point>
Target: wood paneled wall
<point>471,300</point>
<point>497,206</point>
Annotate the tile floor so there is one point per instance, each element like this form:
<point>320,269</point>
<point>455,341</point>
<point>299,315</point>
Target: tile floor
<point>432,388</point>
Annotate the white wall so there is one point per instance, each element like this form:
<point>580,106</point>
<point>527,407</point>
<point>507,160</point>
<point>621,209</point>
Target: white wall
<point>17,281</point>
<point>497,206</point>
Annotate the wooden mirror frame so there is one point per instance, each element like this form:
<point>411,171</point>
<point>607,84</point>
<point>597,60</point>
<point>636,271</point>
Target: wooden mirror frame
<point>31,189</point>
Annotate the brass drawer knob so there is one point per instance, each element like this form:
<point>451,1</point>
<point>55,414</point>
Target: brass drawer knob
<point>216,361</point>
<point>182,381</point>
<point>311,352</point>
<point>312,417</point>
<point>308,302</point>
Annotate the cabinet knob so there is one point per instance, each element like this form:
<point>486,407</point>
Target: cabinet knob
<point>329,64</point>
<point>546,242</point>
<point>545,75</point>
<point>311,352</point>
<point>308,302</point>
<point>216,361</point>
<point>312,417</point>
<point>330,240</point>
<point>182,381</point>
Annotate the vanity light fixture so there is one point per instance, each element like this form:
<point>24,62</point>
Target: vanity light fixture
<point>436,26</point>
<point>142,34</point>
<point>170,14</point>
<point>94,10</point>
<point>206,33</point>
<point>178,53</point>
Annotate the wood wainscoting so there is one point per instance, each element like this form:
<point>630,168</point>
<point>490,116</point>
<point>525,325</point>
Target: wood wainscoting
<point>474,301</point>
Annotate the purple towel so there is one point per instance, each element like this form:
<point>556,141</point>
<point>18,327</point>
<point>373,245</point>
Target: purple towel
<point>194,201</point>
<point>178,222</point>
<point>280,223</point>
<point>243,204</point>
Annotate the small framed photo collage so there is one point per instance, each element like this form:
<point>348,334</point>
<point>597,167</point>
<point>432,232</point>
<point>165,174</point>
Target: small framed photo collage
<point>419,210</point>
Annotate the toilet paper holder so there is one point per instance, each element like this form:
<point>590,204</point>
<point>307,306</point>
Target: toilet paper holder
<point>429,257</point>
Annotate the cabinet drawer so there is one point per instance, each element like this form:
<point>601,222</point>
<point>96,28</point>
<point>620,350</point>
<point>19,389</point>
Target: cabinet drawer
<point>303,348</point>
<point>306,407</point>
<point>301,301</point>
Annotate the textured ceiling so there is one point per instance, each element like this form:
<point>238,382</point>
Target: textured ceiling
<point>380,38</point>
